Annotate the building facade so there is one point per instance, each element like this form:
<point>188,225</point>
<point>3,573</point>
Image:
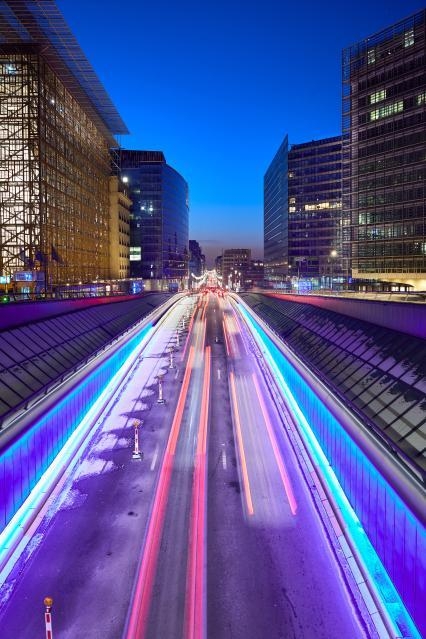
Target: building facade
<point>57,125</point>
<point>303,215</point>
<point>235,265</point>
<point>314,211</point>
<point>275,218</point>
<point>159,216</point>
<point>119,229</point>
<point>197,260</point>
<point>384,139</point>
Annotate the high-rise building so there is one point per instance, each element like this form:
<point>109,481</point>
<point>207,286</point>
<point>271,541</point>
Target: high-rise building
<point>314,210</point>
<point>159,216</point>
<point>302,214</point>
<point>384,161</point>
<point>57,125</point>
<point>275,217</point>
<point>235,264</point>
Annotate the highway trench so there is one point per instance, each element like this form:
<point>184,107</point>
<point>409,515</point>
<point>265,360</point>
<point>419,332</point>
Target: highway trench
<point>214,533</point>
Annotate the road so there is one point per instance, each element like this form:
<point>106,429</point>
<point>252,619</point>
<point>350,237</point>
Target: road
<point>213,534</point>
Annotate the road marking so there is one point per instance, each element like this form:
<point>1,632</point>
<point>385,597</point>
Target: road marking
<point>177,374</point>
<point>224,461</point>
<point>218,373</point>
<point>155,457</point>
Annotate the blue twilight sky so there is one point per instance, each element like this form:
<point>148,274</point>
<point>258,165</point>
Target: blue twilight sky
<point>216,84</point>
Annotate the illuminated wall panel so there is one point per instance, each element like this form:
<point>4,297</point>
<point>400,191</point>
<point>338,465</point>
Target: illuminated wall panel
<point>22,462</point>
<point>397,535</point>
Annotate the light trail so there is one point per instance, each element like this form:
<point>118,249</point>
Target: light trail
<point>244,471</point>
<point>194,613</point>
<point>137,622</point>
<point>191,323</point>
<point>228,346</point>
<point>278,458</point>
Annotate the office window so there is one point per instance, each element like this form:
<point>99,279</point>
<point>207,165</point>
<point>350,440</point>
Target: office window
<point>409,38</point>
<point>378,96</point>
<point>386,111</point>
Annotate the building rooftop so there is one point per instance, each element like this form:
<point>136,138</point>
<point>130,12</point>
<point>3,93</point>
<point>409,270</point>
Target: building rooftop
<point>39,22</point>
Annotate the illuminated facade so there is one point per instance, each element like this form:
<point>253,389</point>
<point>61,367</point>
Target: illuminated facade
<point>159,218</point>
<point>235,264</point>
<point>384,138</point>
<point>314,210</point>
<point>56,129</point>
<point>119,229</point>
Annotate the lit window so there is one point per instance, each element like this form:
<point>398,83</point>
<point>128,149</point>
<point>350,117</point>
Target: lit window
<point>409,38</point>
<point>371,56</point>
<point>386,111</point>
<point>378,96</point>
<point>292,200</point>
<point>421,99</point>
<point>135,254</point>
<point>292,209</point>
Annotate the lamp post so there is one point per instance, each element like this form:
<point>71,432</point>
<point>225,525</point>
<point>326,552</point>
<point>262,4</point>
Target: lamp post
<point>333,255</point>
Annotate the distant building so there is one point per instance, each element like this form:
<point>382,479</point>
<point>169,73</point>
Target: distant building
<point>302,213</point>
<point>235,264</point>
<point>218,264</point>
<point>57,126</point>
<point>254,274</point>
<point>159,216</point>
<point>197,260</point>
<point>119,229</point>
<point>384,141</point>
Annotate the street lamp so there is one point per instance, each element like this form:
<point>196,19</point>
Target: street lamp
<point>333,255</point>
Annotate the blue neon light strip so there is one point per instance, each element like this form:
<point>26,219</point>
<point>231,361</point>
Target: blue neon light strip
<point>385,589</point>
<point>51,446</point>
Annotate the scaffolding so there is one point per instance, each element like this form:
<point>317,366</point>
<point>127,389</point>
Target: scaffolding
<point>57,125</point>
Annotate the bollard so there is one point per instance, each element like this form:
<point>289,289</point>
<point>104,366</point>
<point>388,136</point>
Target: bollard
<point>171,365</point>
<point>136,452</point>
<point>160,399</point>
<point>48,602</point>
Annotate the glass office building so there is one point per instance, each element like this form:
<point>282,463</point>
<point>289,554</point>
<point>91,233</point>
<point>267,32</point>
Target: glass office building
<point>384,158</point>
<point>314,210</point>
<point>57,125</point>
<point>159,216</point>
<point>302,215</point>
<point>275,218</point>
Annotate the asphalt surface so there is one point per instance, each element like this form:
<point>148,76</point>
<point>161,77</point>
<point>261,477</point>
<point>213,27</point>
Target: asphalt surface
<point>234,549</point>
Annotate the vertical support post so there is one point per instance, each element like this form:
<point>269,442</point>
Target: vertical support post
<point>48,603</point>
<point>136,451</point>
<point>171,364</point>
<point>160,399</point>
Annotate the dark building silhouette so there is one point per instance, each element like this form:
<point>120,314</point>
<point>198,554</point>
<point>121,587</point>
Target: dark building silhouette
<point>159,216</point>
<point>384,139</point>
<point>197,260</point>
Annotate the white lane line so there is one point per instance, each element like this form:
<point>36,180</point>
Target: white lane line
<point>218,373</point>
<point>177,374</point>
<point>154,459</point>
<point>224,460</point>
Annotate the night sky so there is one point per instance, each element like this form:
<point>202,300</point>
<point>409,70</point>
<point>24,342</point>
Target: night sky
<point>216,84</point>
